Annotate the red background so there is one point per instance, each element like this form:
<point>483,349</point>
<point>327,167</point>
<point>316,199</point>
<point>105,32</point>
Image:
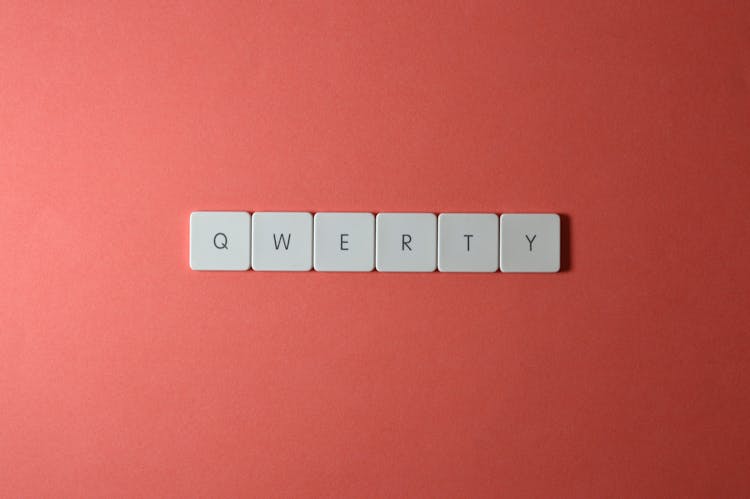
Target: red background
<point>123,373</point>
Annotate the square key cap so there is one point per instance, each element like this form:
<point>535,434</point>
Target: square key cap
<point>529,242</point>
<point>344,242</point>
<point>467,242</point>
<point>220,240</point>
<point>282,241</point>
<point>405,242</point>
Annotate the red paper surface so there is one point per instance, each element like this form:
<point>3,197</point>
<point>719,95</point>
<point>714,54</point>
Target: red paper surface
<point>124,374</point>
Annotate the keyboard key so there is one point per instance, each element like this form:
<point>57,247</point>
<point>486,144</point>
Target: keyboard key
<point>282,241</point>
<point>220,240</point>
<point>467,242</point>
<point>344,242</point>
<point>406,242</point>
<point>530,242</point>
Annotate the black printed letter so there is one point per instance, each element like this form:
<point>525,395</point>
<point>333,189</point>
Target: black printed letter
<point>468,241</point>
<point>530,240</point>
<point>286,241</point>
<point>405,242</point>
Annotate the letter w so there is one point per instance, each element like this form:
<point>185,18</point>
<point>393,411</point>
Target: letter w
<point>283,240</point>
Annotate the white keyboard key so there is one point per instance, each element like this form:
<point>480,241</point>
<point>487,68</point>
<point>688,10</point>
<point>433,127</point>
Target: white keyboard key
<point>406,242</point>
<point>344,242</point>
<point>282,241</point>
<point>220,240</point>
<point>467,242</point>
<point>530,242</point>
